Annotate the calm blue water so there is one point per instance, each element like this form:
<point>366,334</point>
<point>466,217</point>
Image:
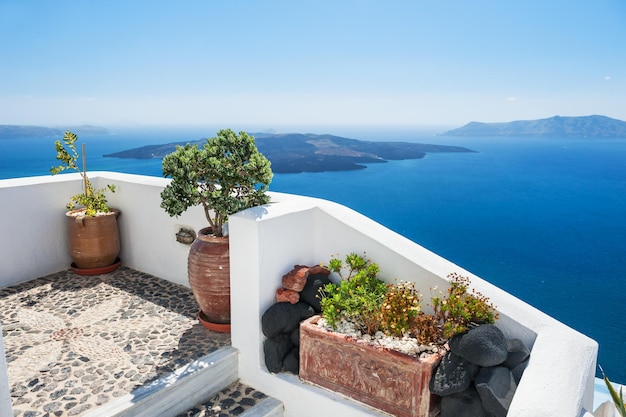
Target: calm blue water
<point>544,219</point>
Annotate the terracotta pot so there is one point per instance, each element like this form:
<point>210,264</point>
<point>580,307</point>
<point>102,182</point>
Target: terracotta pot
<point>208,267</point>
<point>382,378</point>
<point>96,271</point>
<point>214,327</point>
<point>93,242</point>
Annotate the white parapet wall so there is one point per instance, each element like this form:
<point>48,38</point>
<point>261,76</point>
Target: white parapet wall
<point>33,241</point>
<point>266,242</point>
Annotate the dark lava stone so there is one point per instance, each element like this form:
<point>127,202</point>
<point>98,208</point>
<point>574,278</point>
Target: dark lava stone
<point>454,374</point>
<point>496,388</point>
<point>462,404</point>
<point>284,317</point>
<point>484,345</point>
<point>310,292</point>
<point>275,350</point>
<point>517,353</point>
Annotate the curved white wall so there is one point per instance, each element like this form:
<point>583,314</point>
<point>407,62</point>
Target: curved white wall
<point>265,243</point>
<point>33,242</point>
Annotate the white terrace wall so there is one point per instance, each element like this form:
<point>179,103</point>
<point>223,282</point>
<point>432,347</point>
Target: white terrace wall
<point>266,242</point>
<point>33,242</point>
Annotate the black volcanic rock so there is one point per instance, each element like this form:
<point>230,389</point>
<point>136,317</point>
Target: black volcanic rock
<point>518,371</point>
<point>275,350</point>
<point>496,388</point>
<point>291,363</point>
<point>310,292</point>
<point>453,375</point>
<point>484,345</point>
<point>284,318</point>
<point>556,127</point>
<point>462,404</point>
<point>295,152</point>
<point>517,353</point>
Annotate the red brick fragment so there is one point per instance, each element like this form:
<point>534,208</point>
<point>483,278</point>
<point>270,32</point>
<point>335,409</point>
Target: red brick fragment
<point>318,269</point>
<point>287,296</point>
<point>296,278</point>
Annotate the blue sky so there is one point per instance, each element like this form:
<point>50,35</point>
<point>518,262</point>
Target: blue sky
<point>272,63</point>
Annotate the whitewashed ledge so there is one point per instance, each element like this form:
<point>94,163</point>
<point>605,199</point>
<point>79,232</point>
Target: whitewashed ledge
<point>559,380</point>
<point>265,243</point>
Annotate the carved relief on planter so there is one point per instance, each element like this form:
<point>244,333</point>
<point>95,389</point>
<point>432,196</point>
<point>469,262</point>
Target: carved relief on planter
<point>385,379</point>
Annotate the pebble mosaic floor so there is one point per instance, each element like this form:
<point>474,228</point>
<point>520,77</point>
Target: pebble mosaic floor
<point>75,342</point>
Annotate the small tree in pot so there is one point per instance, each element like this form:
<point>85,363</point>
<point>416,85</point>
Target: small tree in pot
<point>93,235</point>
<point>228,174</point>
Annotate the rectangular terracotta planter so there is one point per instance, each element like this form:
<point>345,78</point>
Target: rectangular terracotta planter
<point>382,378</point>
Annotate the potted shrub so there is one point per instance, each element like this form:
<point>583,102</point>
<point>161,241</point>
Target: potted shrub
<point>92,230</point>
<point>373,343</point>
<point>228,174</point>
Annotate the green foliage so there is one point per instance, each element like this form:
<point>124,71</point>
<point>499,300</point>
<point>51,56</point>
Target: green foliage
<point>401,305</point>
<point>395,309</point>
<point>458,309</point>
<point>358,297</point>
<point>93,200</point>
<point>618,399</point>
<point>227,175</point>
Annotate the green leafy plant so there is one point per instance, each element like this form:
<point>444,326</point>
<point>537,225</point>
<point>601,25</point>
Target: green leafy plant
<point>363,299</point>
<point>618,399</point>
<point>94,201</point>
<point>228,174</point>
<point>401,305</point>
<point>358,297</point>
<point>457,310</point>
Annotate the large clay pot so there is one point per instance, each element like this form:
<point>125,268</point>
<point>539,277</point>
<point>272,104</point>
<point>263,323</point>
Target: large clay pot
<point>208,267</point>
<point>93,242</point>
<point>380,377</point>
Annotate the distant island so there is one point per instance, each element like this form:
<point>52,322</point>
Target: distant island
<point>557,127</point>
<point>21,131</point>
<point>296,152</point>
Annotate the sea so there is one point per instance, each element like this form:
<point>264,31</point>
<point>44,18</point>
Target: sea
<point>542,218</point>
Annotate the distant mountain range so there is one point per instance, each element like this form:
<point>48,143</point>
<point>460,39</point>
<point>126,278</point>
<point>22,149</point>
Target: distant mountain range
<point>296,152</point>
<point>19,131</point>
<point>557,127</point>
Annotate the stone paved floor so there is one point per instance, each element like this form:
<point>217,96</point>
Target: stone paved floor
<point>74,342</point>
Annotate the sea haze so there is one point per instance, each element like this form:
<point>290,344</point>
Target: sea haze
<point>541,218</point>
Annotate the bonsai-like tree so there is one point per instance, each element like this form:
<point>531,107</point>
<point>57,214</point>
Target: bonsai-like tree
<point>227,175</point>
<point>95,201</point>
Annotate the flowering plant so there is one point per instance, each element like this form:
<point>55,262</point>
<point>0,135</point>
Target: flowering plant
<point>363,299</point>
<point>458,309</point>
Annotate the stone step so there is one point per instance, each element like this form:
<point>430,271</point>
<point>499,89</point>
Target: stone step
<point>237,400</point>
<point>207,387</point>
<point>179,391</point>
